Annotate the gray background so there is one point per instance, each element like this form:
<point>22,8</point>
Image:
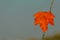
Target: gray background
<point>16,17</point>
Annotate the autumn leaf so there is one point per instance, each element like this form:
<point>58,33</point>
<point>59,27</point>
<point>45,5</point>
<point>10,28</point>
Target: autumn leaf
<point>43,19</point>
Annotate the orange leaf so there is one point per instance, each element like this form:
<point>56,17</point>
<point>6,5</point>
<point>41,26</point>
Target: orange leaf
<point>43,18</point>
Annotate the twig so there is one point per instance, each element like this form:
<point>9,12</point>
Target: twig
<point>51,4</point>
<point>43,35</point>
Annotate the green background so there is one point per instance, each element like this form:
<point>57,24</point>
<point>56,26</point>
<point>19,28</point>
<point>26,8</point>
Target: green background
<point>16,17</point>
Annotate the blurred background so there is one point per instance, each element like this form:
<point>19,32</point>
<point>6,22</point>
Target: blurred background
<point>16,18</point>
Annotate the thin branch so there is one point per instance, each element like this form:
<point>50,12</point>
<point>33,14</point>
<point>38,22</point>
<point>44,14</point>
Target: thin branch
<point>43,35</point>
<point>51,4</point>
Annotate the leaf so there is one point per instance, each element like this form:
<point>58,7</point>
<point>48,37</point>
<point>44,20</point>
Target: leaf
<point>43,19</point>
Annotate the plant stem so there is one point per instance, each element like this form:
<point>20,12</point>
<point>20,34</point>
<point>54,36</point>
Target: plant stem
<point>51,4</point>
<point>43,35</point>
<point>50,10</point>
